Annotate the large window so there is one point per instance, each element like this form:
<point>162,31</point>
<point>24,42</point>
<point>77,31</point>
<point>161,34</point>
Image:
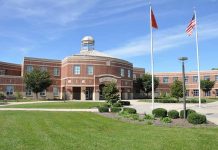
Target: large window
<point>43,68</point>
<point>55,91</point>
<point>56,71</point>
<point>29,68</point>
<point>129,73</point>
<point>186,79</point>
<point>207,93</point>
<point>28,92</point>
<point>206,77</point>
<point>134,76</point>
<point>122,73</point>
<point>2,72</point>
<point>195,79</point>
<point>43,93</point>
<point>195,92</point>
<point>90,70</point>
<point>9,90</point>
<point>76,69</point>
<point>216,77</point>
<point>175,78</point>
<point>165,79</point>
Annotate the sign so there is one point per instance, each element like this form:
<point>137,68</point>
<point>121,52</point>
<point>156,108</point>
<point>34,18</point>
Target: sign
<point>107,79</point>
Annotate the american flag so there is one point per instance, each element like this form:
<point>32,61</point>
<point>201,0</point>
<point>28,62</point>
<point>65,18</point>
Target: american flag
<point>191,26</point>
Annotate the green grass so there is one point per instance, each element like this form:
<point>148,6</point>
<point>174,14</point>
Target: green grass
<point>58,105</point>
<point>88,131</point>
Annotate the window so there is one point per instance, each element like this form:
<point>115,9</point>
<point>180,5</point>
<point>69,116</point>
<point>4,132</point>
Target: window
<point>9,90</point>
<point>76,69</point>
<point>207,93</point>
<point>129,73</point>
<point>187,93</point>
<point>29,68</point>
<point>43,93</point>
<point>134,76</point>
<point>122,72</point>
<point>186,79</point>
<point>56,71</point>
<point>43,68</point>
<point>195,79</point>
<point>2,72</point>
<point>28,92</point>
<point>216,92</point>
<point>165,79</point>
<point>175,78</point>
<point>206,77</point>
<point>90,70</point>
<point>216,77</point>
<point>195,92</point>
<point>55,91</point>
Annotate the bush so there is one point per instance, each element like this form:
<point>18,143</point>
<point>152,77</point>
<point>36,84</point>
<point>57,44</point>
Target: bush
<point>195,118</point>
<point>117,105</point>
<point>166,101</point>
<point>149,117</point>
<point>18,95</point>
<point>174,114</point>
<point>195,101</point>
<point>124,103</point>
<point>2,96</point>
<point>116,109</point>
<point>130,110</point>
<point>105,105</point>
<point>159,112</point>
<point>188,111</point>
<point>166,120</point>
<point>103,109</point>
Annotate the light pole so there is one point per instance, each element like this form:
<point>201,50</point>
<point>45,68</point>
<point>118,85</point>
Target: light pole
<point>183,59</point>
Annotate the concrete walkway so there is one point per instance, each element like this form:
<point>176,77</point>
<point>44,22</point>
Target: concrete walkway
<point>209,109</point>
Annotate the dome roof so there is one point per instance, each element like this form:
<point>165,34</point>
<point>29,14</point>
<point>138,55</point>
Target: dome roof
<point>88,38</point>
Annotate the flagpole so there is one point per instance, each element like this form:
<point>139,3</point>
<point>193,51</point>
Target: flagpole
<point>152,60</point>
<point>198,62</point>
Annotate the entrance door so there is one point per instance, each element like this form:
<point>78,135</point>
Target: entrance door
<point>101,86</point>
<point>77,93</point>
<point>89,93</point>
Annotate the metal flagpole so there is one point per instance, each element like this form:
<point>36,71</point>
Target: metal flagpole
<point>152,60</point>
<point>198,62</point>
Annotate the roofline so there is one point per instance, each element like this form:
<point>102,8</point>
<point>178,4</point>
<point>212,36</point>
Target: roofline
<point>7,63</point>
<point>42,59</point>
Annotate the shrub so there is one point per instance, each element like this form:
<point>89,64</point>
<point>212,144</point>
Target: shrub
<point>195,118</point>
<point>159,112</point>
<point>130,110</point>
<point>117,105</point>
<point>174,114</point>
<point>103,109</point>
<point>188,111</point>
<point>18,95</point>
<point>105,105</point>
<point>116,109</point>
<point>166,120</point>
<point>135,116</point>
<point>149,117</point>
<point>124,103</point>
<point>149,123</point>
<point>2,96</point>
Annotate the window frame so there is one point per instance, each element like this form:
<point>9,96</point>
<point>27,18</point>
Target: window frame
<point>28,70</point>
<point>54,92</point>
<point>56,71</point>
<point>11,92</point>
<point>43,93</point>
<point>76,71</point>
<point>164,81</point>
<point>122,72</point>
<point>92,70</point>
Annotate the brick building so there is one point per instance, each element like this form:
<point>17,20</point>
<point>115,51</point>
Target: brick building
<point>81,76</point>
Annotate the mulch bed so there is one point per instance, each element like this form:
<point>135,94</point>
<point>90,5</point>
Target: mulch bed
<point>157,122</point>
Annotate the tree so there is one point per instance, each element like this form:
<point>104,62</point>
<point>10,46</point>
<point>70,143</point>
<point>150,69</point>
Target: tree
<point>207,85</point>
<point>176,89</point>
<point>37,81</point>
<point>146,81</point>
<point>111,93</point>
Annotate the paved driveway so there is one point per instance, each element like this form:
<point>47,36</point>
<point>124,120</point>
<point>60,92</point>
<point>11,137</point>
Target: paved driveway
<point>210,109</point>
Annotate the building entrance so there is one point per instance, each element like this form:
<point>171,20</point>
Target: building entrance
<point>77,93</point>
<point>89,93</point>
<point>101,86</point>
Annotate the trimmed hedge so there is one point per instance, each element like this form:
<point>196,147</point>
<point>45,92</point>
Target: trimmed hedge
<point>159,112</point>
<point>130,110</point>
<point>195,118</point>
<point>174,114</point>
<point>195,101</point>
<point>116,109</point>
<point>124,103</point>
<point>117,105</point>
<point>103,109</point>
<point>166,101</point>
<point>188,111</point>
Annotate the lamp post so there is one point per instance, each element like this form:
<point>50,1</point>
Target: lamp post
<point>183,59</point>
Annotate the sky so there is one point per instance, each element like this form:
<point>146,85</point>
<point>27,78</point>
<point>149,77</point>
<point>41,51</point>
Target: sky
<point>54,29</point>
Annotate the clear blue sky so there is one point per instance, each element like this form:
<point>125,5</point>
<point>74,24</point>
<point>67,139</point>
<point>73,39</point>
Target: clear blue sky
<point>53,29</point>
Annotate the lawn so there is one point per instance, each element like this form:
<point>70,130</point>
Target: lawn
<point>58,105</point>
<point>83,131</point>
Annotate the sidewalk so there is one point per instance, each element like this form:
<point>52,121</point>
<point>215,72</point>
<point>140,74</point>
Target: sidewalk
<point>45,109</point>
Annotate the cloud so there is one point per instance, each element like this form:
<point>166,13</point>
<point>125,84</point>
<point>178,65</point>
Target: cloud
<point>165,39</point>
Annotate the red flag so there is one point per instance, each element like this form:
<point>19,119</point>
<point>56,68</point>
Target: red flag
<point>191,26</point>
<point>153,20</point>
